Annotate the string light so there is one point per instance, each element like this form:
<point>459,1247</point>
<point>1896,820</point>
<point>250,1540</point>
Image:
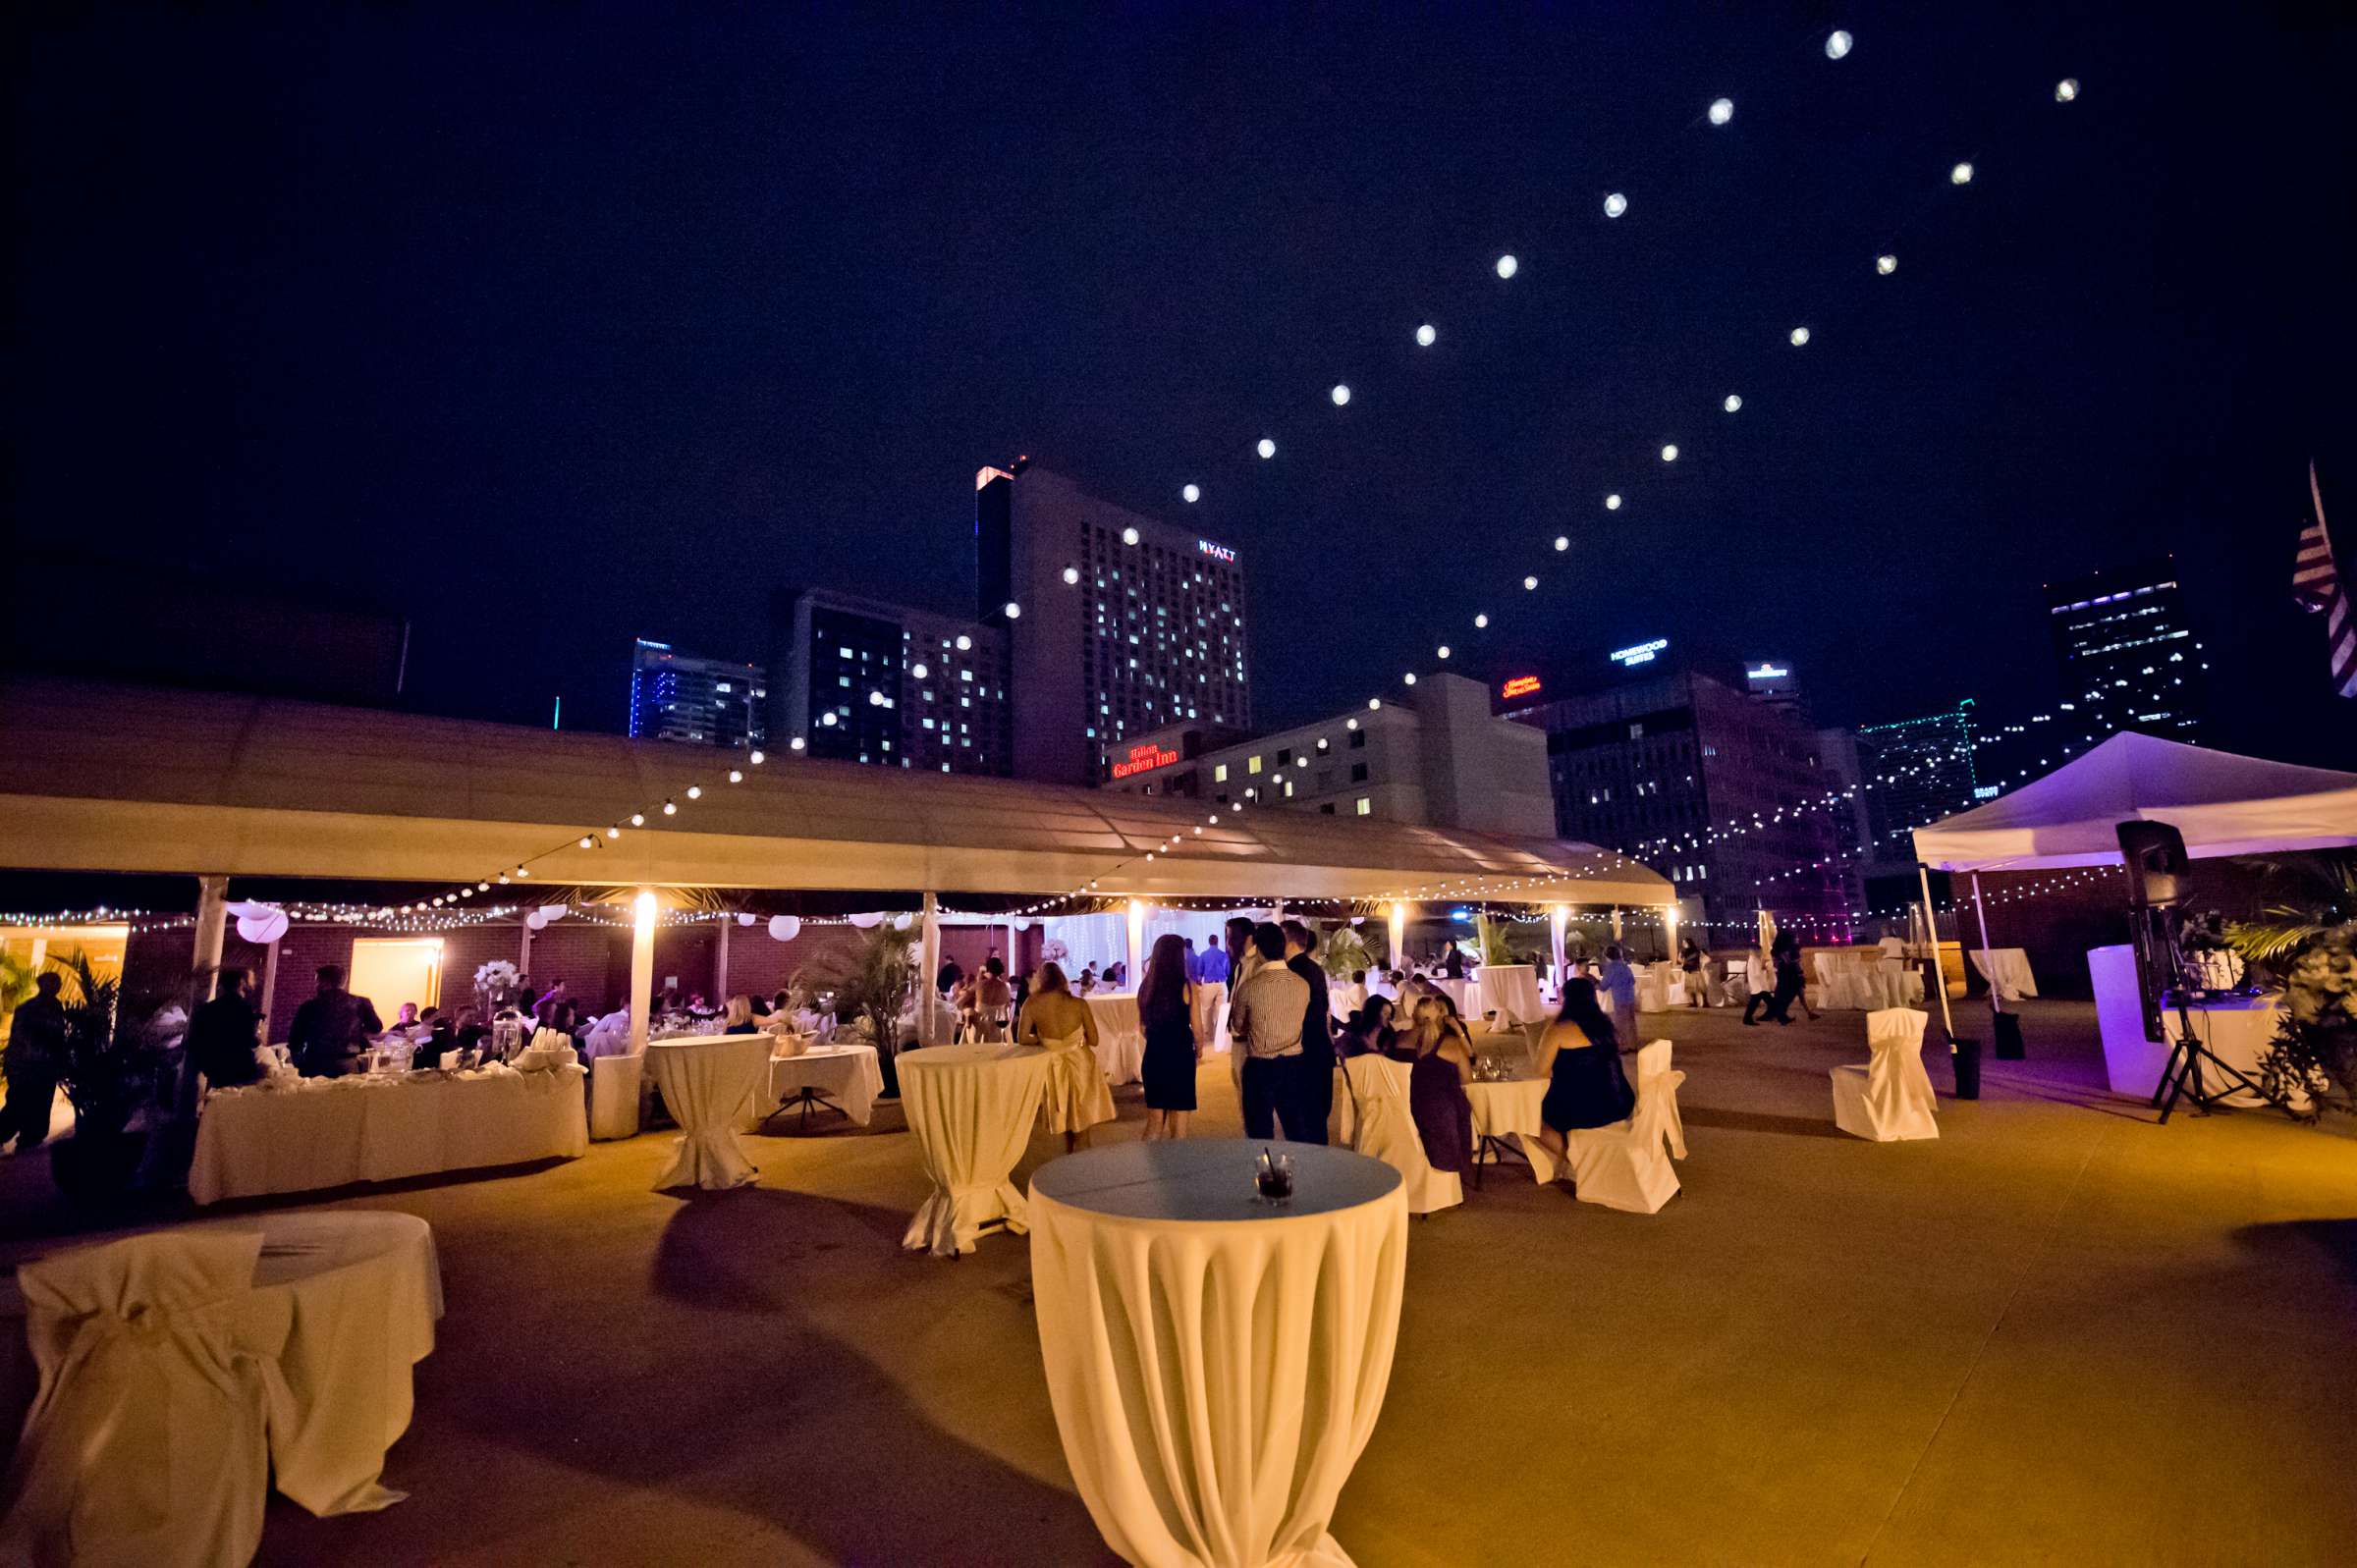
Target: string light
<point>1885,263</point>
<point>1800,337</point>
<point>1837,44</point>
<point>1612,502</point>
<point>1267,448</point>
<point>1190,493</point>
<point>1960,175</point>
<point>1722,111</point>
<point>1426,336</point>
<point>1734,403</point>
<point>1614,204</point>
<point>1340,395</point>
<point>2066,90</point>
<point>1508,266</point>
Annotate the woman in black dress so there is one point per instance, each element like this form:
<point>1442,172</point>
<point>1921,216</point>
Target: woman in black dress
<point>1369,1030</point>
<point>1586,1086</point>
<point>1166,1010</point>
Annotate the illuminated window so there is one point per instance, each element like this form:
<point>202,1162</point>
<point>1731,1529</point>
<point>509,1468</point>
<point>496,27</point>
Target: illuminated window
<point>1219,773</point>
<point>1251,765</point>
<point>1366,807</point>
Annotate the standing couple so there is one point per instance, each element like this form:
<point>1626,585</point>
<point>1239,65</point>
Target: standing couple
<point>1281,1020</point>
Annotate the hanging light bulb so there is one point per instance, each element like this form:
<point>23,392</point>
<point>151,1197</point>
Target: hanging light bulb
<point>1426,336</point>
<point>2066,90</point>
<point>1130,535</point>
<point>1340,395</point>
<point>1837,44</point>
<point>1614,204</point>
<point>1190,493</point>
<point>1800,337</point>
<point>1530,582</point>
<point>1734,403</point>
<point>1266,448</point>
<point>1444,650</point>
<point>1669,452</point>
<point>1480,622</point>
<point>1960,175</point>
<point>1562,541</point>
<point>1722,110</point>
<point>1885,263</point>
<point>1508,266</point>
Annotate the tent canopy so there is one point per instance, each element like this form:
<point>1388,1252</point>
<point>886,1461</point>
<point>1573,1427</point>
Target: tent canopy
<point>2222,803</point>
<point>117,779</point>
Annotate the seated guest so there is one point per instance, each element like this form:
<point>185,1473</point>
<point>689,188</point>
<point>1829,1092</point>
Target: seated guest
<point>1580,1058</point>
<point>761,1006</point>
<point>405,1022</point>
<point>783,1003</point>
<point>1436,1086</point>
<point>439,1046</point>
<point>331,1032</point>
<point>468,1032</point>
<point>739,1017</point>
<point>224,1033</point>
<point>698,1007</point>
<point>547,1003</point>
<point>1369,1031</point>
<point>610,1036</point>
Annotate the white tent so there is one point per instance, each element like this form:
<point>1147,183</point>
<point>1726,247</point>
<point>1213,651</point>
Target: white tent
<point>2222,803</point>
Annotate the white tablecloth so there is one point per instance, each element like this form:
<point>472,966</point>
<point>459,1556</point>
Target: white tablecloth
<point>1512,989</point>
<point>1216,1364</point>
<point>331,1131</point>
<point>335,1308</point>
<point>970,1109</point>
<point>2007,968</point>
<point>2237,1029</point>
<point>1509,1110</point>
<point>1120,1038</point>
<point>846,1074</point>
<point>707,1085</point>
<point>1471,998</point>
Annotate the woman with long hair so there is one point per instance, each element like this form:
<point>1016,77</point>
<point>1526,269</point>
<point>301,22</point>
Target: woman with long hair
<point>1053,1018</point>
<point>1581,1058</point>
<point>1440,1060</point>
<point>1165,1003</point>
<point>1368,1031</point>
<point>739,1020</point>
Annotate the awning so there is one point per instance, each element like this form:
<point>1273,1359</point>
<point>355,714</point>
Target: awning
<point>119,779</point>
<point>2224,804</point>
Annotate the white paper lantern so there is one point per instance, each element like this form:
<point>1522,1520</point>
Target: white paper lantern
<point>536,921</point>
<point>551,911</point>
<point>865,922</point>
<point>785,927</point>
<point>746,920</point>
<point>263,923</point>
<point>900,922</point>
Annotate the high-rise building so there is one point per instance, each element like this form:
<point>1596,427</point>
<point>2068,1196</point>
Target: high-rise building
<point>1115,623</point>
<point>2128,655</point>
<point>1434,756</point>
<point>680,696</point>
<point>889,685</point>
<point>1921,769</point>
<point>1673,762</point>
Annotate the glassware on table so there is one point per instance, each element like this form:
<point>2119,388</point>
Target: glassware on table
<point>1272,1177</point>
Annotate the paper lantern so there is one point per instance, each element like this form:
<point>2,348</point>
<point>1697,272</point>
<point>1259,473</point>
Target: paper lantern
<point>865,922</point>
<point>746,920</point>
<point>551,911</point>
<point>785,927</point>
<point>262,923</point>
<point>900,922</point>
<point>537,920</point>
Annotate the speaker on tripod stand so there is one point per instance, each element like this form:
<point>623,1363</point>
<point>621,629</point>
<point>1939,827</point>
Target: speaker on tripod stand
<point>2159,871</point>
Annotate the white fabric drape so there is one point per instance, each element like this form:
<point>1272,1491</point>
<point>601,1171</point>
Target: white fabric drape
<point>328,1132</point>
<point>1101,940</point>
<point>970,1109</point>
<point>1371,1114</point>
<point>1888,1099</point>
<point>707,1084</point>
<point>1075,1098</point>
<point>146,1445</point>
<point>617,1088</point>
<point>1216,1366</point>
<point>1512,990</point>
<point>2007,969</point>
<point>1625,1166</point>
<point>1121,1037</point>
<point>848,1074</point>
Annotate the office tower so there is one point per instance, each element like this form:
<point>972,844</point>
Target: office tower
<point>680,696</point>
<point>1922,771</point>
<point>1672,761</point>
<point>1115,623</point>
<point>2128,655</point>
<point>891,685</point>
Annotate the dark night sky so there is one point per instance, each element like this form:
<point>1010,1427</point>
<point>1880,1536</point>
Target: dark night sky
<point>559,325</point>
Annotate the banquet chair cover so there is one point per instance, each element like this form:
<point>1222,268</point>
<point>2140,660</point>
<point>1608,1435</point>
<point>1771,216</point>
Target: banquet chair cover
<point>1652,1061</point>
<point>1372,1114</point>
<point>1888,1099</point>
<point>146,1446</point>
<point>1623,1165</point>
<point>617,1088</point>
<point>1653,991</point>
<point>1078,1097</point>
<point>707,1086</point>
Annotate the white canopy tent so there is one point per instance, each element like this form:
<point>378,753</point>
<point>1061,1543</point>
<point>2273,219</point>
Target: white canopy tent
<point>2224,804</point>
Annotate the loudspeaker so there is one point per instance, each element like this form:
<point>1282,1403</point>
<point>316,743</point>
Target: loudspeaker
<point>2157,869</point>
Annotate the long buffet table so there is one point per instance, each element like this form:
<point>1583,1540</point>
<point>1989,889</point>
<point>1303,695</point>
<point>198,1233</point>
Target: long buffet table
<point>329,1132</point>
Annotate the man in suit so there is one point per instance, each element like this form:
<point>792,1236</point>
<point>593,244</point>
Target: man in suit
<point>1313,1083</point>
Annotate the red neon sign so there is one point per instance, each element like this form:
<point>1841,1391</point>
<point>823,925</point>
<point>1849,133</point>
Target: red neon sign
<point>1145,759</point>
<point>1520,686</point>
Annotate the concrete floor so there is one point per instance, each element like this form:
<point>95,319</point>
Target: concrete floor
<point>2057,1335</point>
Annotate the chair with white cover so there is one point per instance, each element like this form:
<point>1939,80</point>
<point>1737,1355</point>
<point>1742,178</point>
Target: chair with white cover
<point>148,1441</point>
<point>617,1094</point>
<point>1888,1099</point>
<point>1626,1166</point>
<point>1372,1115</point>
<point>1076,1097</point>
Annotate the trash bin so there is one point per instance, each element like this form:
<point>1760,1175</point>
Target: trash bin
<point>2008,1037</point>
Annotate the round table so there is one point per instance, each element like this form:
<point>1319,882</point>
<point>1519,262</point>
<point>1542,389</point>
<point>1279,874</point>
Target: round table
<point>845,1078</point>
<point>970,1107</point>
<point>707,1082</point>
<point>1216,1364</point>
<point>1506,1108</point>
<point>1121,1037</point>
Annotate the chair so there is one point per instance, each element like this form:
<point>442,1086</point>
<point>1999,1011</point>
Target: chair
<point>148,1440</point>
<point>1626,1166</point>
<point>1888,1099</point>
<point>1374,1101</point>
<point>617,1096</point>
<point>1076,1097</point>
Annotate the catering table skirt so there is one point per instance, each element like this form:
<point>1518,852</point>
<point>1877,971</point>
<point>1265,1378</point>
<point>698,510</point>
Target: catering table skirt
<point>1512,989</point>
<point>970,1109</point>
<point>328,1132</point>
<point>848,1074</point>
<point>2237,1029</point>
<point>343,1305</point>
<point>1120,1038</point>
<point>1216,1366</point>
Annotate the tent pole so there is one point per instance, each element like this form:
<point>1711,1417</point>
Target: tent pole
<point>1997,994</point>
<point>1930,928</point>
<point>928,965</point>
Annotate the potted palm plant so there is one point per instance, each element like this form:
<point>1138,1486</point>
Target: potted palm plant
<point>2310,947</point>
<point>872,982</point>
<point>109,1073</point>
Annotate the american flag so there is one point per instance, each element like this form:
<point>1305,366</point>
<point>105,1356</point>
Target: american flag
<point>2316,584</point>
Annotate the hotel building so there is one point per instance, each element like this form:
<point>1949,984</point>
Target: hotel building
<point>2128,655</point>
<point>889,685</point>
<point>1117,624</point>
<point>680,696</point>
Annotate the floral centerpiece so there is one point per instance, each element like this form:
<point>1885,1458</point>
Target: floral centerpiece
<point>495,985</point>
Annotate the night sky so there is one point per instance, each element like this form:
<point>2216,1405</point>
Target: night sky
<point>558,326</point>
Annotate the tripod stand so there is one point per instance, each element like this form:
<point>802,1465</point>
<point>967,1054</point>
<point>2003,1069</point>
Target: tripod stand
<point>2160,965</point>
